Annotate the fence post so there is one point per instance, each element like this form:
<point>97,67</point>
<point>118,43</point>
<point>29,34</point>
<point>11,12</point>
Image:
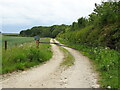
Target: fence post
<point>15,44</point>
<point>37,38</point>
<point>37,43</point>
<point>5,45</point>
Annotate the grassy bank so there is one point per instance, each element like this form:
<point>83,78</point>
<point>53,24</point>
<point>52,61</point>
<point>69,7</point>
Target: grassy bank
<point>106,62</point>
<point>25,56</point>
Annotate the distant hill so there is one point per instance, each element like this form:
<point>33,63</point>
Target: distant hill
<point>10,34</point>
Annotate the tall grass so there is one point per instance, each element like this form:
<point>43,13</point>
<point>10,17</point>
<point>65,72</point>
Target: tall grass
<point>106,61</point>
<point>22,57</point>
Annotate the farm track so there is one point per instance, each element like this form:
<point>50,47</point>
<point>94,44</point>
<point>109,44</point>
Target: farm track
<point>52,75</point>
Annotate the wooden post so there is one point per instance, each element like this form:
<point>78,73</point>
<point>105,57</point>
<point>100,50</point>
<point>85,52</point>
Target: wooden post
<point>37,38</point>
<point>37,43</point>
<point>15,44</point>
<point>5,45</point>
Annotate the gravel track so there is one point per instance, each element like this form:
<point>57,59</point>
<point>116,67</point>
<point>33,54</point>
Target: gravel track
<point>52,75</point>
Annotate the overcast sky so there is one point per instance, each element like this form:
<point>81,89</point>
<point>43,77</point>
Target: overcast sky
<point>17,15</point>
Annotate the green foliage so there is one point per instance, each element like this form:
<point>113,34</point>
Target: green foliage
<point>20,58</point>
<point>102,28</point>
<point>82,22</point>
<point>51,31</point>
<point>107,12</point>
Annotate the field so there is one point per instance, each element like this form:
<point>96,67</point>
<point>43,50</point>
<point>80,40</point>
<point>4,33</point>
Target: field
<point>25,54</point>
<point>14,41</point>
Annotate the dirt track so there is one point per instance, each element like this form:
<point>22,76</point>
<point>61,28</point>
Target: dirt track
<point>52,75</point>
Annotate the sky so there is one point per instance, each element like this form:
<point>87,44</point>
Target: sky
<point>17,15</point>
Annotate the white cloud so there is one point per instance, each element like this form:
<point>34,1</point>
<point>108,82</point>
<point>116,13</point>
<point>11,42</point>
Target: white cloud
<point>47,12</point>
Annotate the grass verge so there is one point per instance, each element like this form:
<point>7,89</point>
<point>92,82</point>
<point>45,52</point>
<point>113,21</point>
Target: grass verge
<point>106,60</point>
<point>25,56</point>
<point>68,58</point>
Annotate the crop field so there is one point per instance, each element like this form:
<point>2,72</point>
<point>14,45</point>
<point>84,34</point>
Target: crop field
<point>23,55</point>
<point>15,41</point>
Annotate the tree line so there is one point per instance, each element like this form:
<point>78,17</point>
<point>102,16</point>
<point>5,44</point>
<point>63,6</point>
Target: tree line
<point>100,28</point>
<point>44,31</point>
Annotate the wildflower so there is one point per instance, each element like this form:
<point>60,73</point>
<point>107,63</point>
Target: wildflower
<point>106,48</point>
<point>110,76</point>
<point>109,87</point>
<point>95,51</point>
<point>21,45</point>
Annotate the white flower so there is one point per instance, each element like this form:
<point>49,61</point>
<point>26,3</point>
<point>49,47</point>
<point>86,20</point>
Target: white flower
<point>21,45</point>
<point>110,76</point>
<point>95,51</point>
<point>106,48</point>
<point>108,87</point>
